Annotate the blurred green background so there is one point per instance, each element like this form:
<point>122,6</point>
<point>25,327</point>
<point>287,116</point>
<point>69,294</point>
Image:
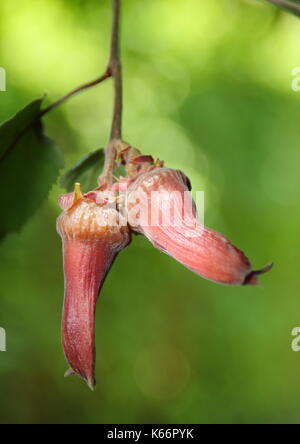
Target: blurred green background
<point>207,89</point>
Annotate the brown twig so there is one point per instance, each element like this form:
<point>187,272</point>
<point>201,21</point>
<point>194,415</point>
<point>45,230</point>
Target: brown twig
<point>286,4</point>
<point>116,70</point>
<point>115,67</point>
<point>113,70</point>
<point>75,91</point>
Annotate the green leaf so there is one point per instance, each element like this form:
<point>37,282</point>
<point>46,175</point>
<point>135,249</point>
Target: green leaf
<point>287,5</point>
<point>29,166</point>
<point>86,171</point>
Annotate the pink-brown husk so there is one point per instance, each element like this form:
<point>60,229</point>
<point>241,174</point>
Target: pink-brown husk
<point>202,250</point>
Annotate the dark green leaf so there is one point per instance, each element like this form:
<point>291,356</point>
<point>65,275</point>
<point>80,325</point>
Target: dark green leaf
<point>86,171</point>
<point>287,5</point>
<point>29,166</point>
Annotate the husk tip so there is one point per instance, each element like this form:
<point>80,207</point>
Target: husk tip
<point>69,372</point>
<point>252,277</point>
<point>91,384</point>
